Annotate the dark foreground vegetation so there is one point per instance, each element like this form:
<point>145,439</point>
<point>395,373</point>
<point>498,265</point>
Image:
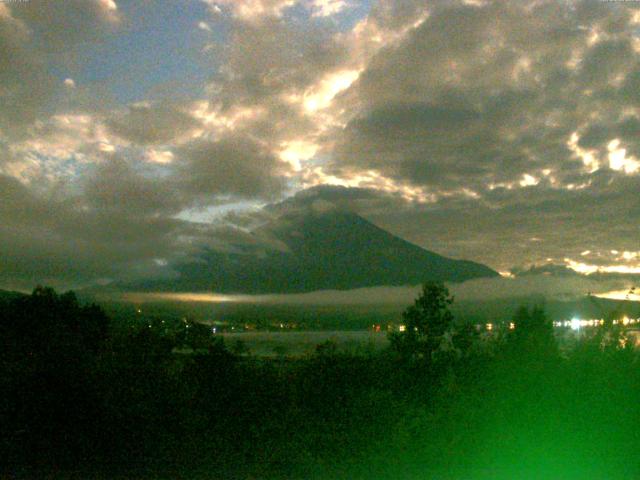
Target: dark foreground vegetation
<point>85,396</point>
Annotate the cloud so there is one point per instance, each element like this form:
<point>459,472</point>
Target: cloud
<point>232,166</point>
<point>327,8</point>
<point>157,123</point>
<point>113,230</point>
<point>266,59</point>
<point>477,96</point>
<point>24,81</point>
<point>116,187</point>
<point>58,25</point>
<point>508,227</point>
<point>479,290</point>
<point>33,36</point>
<point>251,9</point>
<point>500,132</point>
<point>536,285</point>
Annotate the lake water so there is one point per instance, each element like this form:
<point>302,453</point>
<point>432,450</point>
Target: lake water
<point>304,343</point>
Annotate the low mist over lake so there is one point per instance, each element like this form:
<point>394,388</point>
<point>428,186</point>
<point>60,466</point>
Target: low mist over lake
<point>481,289</point>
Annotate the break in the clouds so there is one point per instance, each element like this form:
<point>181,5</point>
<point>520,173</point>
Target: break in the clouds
<point>506,133</point>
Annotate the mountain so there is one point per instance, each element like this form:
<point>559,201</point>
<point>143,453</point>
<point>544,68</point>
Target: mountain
<point>317,251</point>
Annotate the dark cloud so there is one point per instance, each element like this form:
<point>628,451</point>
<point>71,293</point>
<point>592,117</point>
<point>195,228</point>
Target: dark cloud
<point>508,227</point>
<point>269,57</point>
<point>483,95</point>
<point>69,241</point>
<point>60,24</point>
<point>24,82</point>
<point>488,132</point>
<point>153,123</point>
<point>365,201</point>
<point>116,187</point>
<point>233,166</point>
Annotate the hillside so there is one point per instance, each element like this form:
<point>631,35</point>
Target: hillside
<point>323,250</point>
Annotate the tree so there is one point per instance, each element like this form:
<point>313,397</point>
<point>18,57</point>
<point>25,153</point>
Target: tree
<point>533,334</point>
<point>425,322</point>
<point>50,406</point>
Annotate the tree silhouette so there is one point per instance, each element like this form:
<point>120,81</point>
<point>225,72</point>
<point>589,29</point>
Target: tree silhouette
<point>533,335</point>
<point>425,322</point>
<point>51,345</point>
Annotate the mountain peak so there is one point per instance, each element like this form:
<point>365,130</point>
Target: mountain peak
<point>326,248</point>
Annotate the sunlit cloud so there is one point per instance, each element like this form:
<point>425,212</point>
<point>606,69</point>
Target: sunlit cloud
<point>320,96</point>
<point>618,159</point>
<point>588,269</point>
<point>528,180</point>
<point>630,255</point>
<point>297,151</point>
<point>214,119</point>
<point>369,179</point>
<point>327,8</point>
<point>110,7</point>
<point>162,157</point>
<point>251,9</point>
<point>66,135</point>
<point>627,294</point>
<point>588,157</point>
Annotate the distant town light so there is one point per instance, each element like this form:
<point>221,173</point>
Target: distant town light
<point>575,324</point>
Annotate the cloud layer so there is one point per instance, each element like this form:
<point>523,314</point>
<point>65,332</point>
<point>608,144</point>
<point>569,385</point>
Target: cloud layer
<point>502,132</point>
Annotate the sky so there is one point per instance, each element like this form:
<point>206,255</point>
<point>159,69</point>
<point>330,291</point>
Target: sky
<point>133,133</point>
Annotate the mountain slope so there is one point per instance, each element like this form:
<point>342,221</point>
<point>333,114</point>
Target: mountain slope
<point>328,250</point>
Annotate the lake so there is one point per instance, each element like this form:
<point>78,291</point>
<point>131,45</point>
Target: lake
<point>304,343</point>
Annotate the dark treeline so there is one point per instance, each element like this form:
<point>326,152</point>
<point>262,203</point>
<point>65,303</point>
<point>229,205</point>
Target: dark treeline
<point>85,396</point>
